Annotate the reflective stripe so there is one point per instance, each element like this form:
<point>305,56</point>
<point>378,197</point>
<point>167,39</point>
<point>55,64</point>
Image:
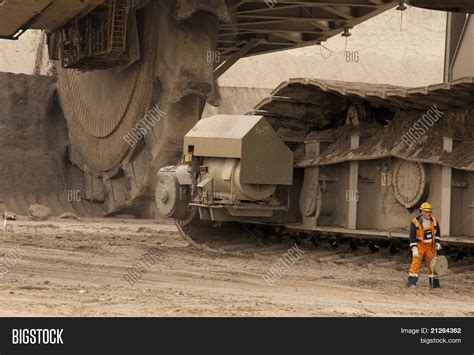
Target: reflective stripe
<point>413,274</point>
<point>416,223</point>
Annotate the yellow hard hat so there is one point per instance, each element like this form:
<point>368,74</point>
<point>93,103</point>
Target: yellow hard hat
<point>426,206</point>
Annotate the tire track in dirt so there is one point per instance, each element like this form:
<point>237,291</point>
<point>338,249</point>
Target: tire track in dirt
<point>77,268</point>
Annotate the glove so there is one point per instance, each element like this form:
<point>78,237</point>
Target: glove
<point>414,251</point>
<point>438,246</point>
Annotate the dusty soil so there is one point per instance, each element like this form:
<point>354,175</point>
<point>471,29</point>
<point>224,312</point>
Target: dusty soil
<point>77,268</point>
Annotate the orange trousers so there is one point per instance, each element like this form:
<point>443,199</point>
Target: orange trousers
<point>423,249</point>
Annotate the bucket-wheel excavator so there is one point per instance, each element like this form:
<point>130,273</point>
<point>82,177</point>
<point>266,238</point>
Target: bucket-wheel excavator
<point>315,157</point>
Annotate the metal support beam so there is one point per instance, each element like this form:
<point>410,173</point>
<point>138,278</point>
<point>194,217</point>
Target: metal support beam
<point>353,192</point>
<point>446,176</point>
<point>221,69</point>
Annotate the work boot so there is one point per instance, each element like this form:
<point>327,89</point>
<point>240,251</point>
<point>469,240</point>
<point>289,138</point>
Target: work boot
<point>434,282</point>
<point>412,281</point>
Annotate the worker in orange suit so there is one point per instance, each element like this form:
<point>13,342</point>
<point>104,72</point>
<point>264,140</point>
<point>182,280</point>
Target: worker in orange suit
<point>425,240</point>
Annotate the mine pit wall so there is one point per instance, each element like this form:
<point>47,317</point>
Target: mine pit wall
<point>33,149</point>
<point>32,137</point>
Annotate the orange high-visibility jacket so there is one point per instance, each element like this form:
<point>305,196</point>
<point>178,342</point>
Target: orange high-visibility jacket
<point>418,234</point>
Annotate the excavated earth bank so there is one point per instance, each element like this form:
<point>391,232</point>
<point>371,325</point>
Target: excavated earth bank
<point>33,148</point>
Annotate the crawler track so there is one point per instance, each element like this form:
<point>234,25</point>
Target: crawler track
<point>252,241</point>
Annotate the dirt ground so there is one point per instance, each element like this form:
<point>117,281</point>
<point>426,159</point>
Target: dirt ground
<point>77,268</point>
